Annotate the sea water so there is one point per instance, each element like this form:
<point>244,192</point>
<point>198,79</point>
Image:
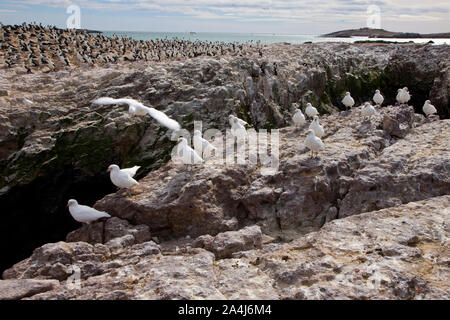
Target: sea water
<point>263,38</point>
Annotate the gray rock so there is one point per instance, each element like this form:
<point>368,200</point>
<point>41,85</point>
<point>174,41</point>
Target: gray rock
<point>414,168</point>
<point>304,193</point>
<point>225,244</point>
<point>103,232</point>
<point>394,253</point>
<point>19,289</point>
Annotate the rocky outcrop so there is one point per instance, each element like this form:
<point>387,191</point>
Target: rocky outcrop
<point>59,146</point>
<point>62,259</point>
<point>414,168</point>
<point>225,244</point>
<point>297,233</point>
<point>19,289</point>
<point>103,232</point>
<point>365,166</point>
<point>62,124</point>
<point>395,253</point>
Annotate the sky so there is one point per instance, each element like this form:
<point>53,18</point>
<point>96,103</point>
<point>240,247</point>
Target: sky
<point>244,16</point>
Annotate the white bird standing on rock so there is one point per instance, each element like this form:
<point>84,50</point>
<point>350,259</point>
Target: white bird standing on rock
<point>188,154</point>
<point>313,143</point>
<point>311,111</point>
<point>348,101</point>
<point>406,96</point>
<point>367,111</point>
<point>85,214</point>
<point>317,128</point>
<point>403,96</point>
<point>123,178</point>
<point>378,98</point>
<point>200,143</point>
<point>137,108</point>
<point>298,118</point>
<point>428,108</point>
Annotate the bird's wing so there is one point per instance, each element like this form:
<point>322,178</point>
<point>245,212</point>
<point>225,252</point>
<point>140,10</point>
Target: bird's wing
<point>163,119</point>
<point>319,141</point>
<point>131,171</point>
<point>85,212</point>
<point>126,178</point>
<point>107,100</point>
<point>321,130</point>
<point>242,122</point>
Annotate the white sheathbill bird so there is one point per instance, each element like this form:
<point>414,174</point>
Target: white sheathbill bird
<point>317,128</point>
<point>298,118</point>
<point>428,108</point>
<point>85,214</point>
<point>313,143</point>
<point>348,101</point>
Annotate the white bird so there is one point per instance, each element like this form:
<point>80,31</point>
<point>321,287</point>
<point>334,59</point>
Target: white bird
<point>406,96</point>
<point>137,108</point>
<point>348,101</point>
<point>378,98</point>
<point>313,143</point>
<point>237,128</point>
<point>311,111</point>
<point>200,143</point>
<point>131,171</point>
<point>123,178</point>
<point>231,117</point>
<point>399,96</point>
<point>298,118</point>
<point>428,108</point>
<point>188,154</point>
<point>367,111</point>
<point>403,95</point>
<point>85,214</point>
<point>317,128</point>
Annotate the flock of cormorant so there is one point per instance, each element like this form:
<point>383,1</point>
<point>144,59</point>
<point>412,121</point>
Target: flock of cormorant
<point>32,46</point>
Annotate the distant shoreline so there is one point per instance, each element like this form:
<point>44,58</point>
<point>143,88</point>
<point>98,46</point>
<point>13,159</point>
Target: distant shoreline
<point>266,38</point>
<point>381,33</point>
<point>88,31</point>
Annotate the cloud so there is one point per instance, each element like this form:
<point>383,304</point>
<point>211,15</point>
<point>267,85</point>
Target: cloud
<point>331,12</point>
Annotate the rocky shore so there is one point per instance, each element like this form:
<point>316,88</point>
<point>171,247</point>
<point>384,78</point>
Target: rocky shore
<point>368,219</point>
<point>381,33</point>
